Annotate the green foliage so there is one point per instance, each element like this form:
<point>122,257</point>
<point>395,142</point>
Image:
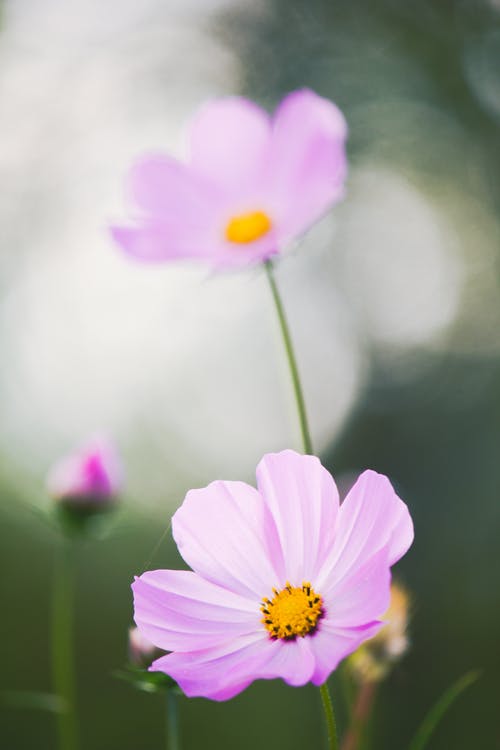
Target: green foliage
<point>148,682</point>
<point>430,722</point>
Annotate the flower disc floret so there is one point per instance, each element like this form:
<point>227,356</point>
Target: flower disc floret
<point>248,227</point>
<point>292,612</point>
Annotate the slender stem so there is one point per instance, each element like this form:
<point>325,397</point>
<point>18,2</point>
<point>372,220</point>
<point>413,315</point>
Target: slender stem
<point>361,714</point>
<point>63,669</point>
<point>329,716</point>
<point>347,690</point>
<point>173,734</point>
<point>307,445</point>
<point>292,362</point>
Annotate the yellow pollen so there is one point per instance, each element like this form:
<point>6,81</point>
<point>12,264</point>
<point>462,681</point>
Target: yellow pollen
<point>248,227</point>
<point>292,612</point>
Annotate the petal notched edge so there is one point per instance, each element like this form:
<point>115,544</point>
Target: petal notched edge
<point>303,501</point>
<point>229,140</point>
<point>371,519</point>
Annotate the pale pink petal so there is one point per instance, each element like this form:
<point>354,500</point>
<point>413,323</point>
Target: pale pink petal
<point>185,236</point>
<point>362,596</point>
<point>162,187</point>
<point>229,140</point>
<point>220,673</point>
<point>230,691</point>
<point>224,533</point>
<point>307,163</point>
<point>330,644</point>
<point>371,518</point>
<point>178,610</point>
<point>178,214</point>
<point>303,500</point>
<point>293,661</point>
<point>232,255</point>
<point>352,611</point>
<point>154,242</point>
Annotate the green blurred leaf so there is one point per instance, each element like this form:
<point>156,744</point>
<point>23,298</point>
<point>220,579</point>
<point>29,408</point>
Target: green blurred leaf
<point>432,719</point>
<point>149,682</point>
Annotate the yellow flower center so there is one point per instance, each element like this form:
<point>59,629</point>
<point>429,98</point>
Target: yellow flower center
<point>292,612</point>
<point>248,227</point>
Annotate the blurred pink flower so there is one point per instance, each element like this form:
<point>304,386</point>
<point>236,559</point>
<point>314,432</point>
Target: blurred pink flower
<point>373,661</point>
<point>92,475</point>
<point>286,583</point>
<point>251,183</point>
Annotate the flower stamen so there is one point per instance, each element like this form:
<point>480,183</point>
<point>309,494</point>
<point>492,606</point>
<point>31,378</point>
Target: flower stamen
<point>292,612</point>
<point>248,227</point>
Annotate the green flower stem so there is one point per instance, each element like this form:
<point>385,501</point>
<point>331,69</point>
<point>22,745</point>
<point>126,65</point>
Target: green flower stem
<point>292,362</point>
<point>63,669</point>
<point>329,716</point>
<point>362,711</point>
<point>172,731</point>
<point>307,446</point>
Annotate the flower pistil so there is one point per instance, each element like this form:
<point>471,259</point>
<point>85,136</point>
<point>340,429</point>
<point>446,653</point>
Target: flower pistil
<point>292,612</point>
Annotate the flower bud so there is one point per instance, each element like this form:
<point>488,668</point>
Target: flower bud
<point>375,658</point>
<point>141,652</point>
<point>87,482</point>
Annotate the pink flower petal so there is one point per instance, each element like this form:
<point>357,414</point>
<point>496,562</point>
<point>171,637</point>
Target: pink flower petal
<point>178,214</point>
<point>220,673</point>
<point>183,216</point>
<point>293,661</point>
<point>307,164</point>
<point>231,255</point>
<point>331,644</point>
<point>153,242</point>
<point>178,610</point>
<point>362,596</point>
<point>303,500</point>
<point>162,187</point>
<point>371,518</point>
<point>220,532</point>
<point>229,140</point>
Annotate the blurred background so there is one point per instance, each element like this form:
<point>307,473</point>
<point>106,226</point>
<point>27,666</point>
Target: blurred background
<point>393,300</point>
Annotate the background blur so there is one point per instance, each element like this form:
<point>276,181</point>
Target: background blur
<point>393,300</point>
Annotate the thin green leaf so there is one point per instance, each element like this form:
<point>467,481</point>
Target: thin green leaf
<point>149,682</point>
<point>432,719</point>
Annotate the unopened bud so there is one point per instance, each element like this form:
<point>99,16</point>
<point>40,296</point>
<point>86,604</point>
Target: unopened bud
<point>141,652</point>
<point>86,483</point>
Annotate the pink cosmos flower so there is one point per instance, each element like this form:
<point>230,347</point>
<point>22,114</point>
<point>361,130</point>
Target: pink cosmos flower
<point>92,475</point>
<point>251,183</point>
<point>286,583</point>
